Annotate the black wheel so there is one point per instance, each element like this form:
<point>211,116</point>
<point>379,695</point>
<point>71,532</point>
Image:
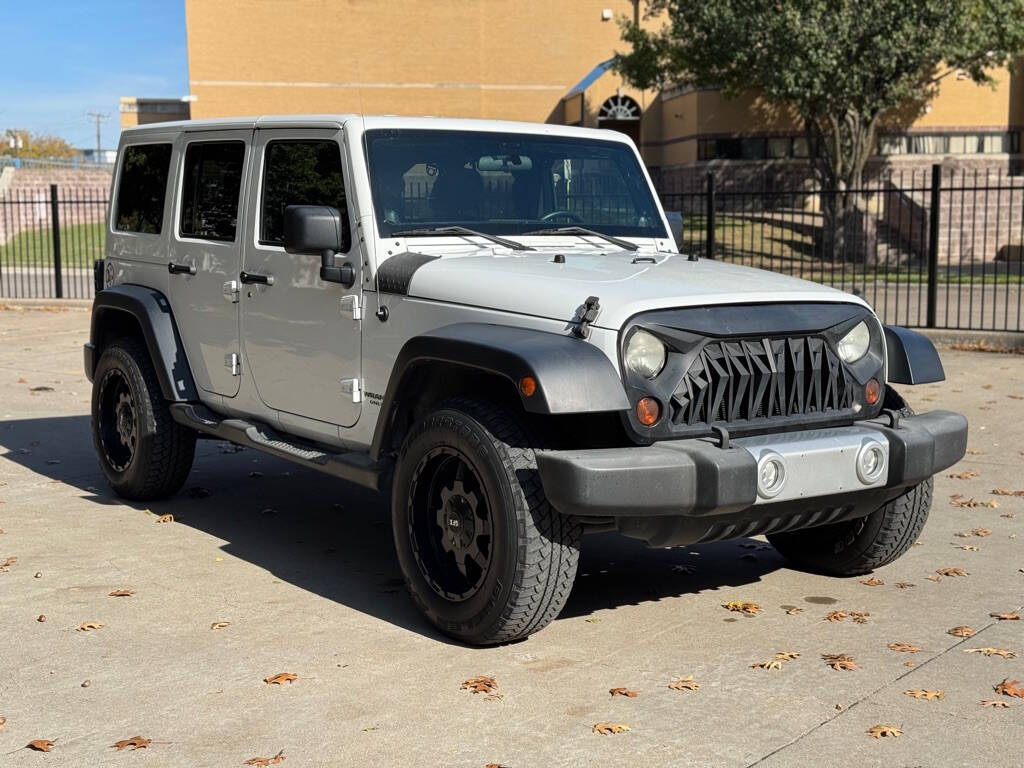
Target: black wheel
<point>855,547</point>
<point>485,556</point>
<point>142,451</point>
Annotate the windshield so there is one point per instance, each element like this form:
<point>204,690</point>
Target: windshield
<point>507,183</point>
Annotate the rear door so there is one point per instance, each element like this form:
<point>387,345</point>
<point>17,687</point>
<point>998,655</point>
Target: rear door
<point>205,254</point>
<point>302,338</point>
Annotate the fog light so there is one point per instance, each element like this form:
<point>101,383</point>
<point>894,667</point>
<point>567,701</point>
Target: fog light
<point>771,475</point>
<point>871,391</point>
<point>648,411</point>
<point>870,462</point>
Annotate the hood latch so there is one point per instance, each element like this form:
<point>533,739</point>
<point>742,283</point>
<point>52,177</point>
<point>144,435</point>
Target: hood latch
<point>591,308</point>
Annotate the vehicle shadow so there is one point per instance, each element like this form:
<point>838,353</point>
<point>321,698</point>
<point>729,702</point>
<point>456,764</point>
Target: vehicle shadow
<point>334,539</point>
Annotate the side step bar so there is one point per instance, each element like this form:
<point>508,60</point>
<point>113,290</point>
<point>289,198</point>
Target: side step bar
<point>354,466</point>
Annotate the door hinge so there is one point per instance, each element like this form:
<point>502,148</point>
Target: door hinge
<point>230,291</point>
<point>351,387</point>
<point>233,363</point>
<point>350,303</point>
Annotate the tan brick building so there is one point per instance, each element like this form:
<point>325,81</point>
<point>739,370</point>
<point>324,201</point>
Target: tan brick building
<point>537,60</point>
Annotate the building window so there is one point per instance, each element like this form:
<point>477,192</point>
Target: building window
<point>300,173</point>
<point>142,188</point>
<point>210,187</point>
<point>982,142</point>
<point>619,108</point>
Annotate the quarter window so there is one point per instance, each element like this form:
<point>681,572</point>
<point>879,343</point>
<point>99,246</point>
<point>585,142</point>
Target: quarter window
<point>210,188</point>
<point>142,188</point>
<point>300,173</point>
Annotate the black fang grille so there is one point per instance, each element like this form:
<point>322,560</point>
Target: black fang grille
<point>749,379</point>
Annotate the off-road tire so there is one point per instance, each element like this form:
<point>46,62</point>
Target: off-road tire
<point>856,547</point>
<point>534,549</point>
<point>164,450</point>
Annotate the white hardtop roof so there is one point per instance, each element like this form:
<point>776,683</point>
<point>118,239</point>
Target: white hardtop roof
<point>374,121</point>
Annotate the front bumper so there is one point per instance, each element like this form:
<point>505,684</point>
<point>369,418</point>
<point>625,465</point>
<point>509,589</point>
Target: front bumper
<point>699,479</point>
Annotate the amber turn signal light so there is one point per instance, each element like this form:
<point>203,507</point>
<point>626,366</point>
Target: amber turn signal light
<point>871,391</point>
<point>527,385</point>
<point>648,411</point>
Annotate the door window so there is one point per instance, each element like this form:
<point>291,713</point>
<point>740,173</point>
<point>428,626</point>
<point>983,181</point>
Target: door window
<point>211,184</point>
<point>142,187</point>
<point>300,172</point>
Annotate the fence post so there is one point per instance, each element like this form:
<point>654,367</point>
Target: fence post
<point>933,245</point>
<point>58,278</point>
<point>709,218</point>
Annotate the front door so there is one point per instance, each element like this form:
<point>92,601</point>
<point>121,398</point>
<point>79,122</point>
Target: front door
<point>205,253</point>
<point>301,338</point>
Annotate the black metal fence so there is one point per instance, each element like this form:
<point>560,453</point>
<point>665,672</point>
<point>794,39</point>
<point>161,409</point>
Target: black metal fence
<point>929,248</point>
<point>49,240</point>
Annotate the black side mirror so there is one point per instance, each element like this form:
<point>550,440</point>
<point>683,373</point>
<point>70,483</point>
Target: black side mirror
<point>319,229</point>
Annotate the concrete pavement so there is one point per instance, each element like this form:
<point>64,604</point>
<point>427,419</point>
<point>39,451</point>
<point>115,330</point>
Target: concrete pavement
<point>302,568</point>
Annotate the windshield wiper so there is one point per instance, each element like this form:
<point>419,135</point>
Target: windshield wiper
<point>462,231</point>
<point>584,231</point>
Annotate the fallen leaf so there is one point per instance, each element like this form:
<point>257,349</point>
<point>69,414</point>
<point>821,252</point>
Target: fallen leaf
<point>882,731</point>
<point>135,742</point>
<point>684,684</point>
<point>921,693</point>
<point>280,678</point>
<point>606,729</point>
<point>903,585</point>
<point>1010,688</point>
<point>936,578</point>
<point>623,692</point>
<point>263,762</point>
<point>750,609</point>
<point>967,474</point>
<point>1006,616</point>
<point>992,652</point>
<point>996,703</point>
<point>860,617</point>
<point>961,632</point>
<point>220,624</point>
<point>480,684</point>
<point>88,626</point>
<point>3,722</point>
<point>165,519</point>
<point>836,616</point>
<point>8,563</point>
<point>592,620</point>
<point>981,532</point>
<point>958,500</point>
<point>908,663</point>
<point>952,572</point>
<point>872,582</point>
<point>40,745</point>
<point>122,593</point>
<point>689,570</point>
<point>968,547</point>
<point>787,655</point>
<point>904,648</point>
<point>1006,492</point>
<point>839,661</point>
<point>794,611</point>
<point>770,664</point>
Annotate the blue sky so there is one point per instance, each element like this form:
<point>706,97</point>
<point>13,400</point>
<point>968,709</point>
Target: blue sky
<point>61,59</point>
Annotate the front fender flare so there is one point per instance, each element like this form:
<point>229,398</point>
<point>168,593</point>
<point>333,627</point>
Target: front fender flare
<point>152,312</point>
<point>572,375</point>
<point>911,357</point>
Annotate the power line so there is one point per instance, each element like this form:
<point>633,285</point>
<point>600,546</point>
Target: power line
<point>99,117</point>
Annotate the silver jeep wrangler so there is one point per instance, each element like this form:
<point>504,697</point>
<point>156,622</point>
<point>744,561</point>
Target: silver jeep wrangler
<point>492,322</point>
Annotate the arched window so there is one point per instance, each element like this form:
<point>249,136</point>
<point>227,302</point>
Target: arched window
<point>619,107</point>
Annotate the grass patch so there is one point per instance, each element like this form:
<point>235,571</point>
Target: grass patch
<point>80,245</point>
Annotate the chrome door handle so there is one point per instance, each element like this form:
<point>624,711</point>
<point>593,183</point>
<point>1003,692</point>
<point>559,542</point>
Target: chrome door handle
<point>181,269</point>
<point>249,277</point>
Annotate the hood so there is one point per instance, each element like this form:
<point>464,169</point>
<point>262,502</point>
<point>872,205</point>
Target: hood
<point>533,284</point>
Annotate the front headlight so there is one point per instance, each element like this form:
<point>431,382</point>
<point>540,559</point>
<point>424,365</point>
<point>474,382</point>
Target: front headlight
<point>854,345</point>
<point>645,354</point>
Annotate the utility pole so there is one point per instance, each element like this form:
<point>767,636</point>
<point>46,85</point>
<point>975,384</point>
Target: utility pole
<point>636,12</point>
<point>99,117</point>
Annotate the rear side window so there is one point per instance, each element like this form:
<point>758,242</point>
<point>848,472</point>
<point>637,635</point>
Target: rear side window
<point>210,187</point>
<point>300,173</point>
<point>142,188</point>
